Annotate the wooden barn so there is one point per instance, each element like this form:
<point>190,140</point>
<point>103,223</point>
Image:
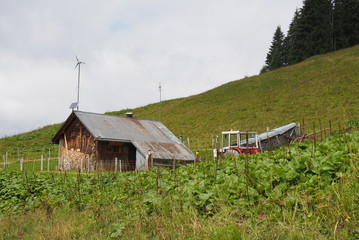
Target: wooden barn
<point>106,142</point>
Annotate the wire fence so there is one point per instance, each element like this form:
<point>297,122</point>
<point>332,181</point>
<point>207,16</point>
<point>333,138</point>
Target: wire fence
<point>12,159</point>
<point>42,164</point>
<point>116,165</point>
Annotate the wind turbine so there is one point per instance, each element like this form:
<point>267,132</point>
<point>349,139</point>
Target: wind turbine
<point>160,88</point>
<point>159,106</point>
<point>78,65</point>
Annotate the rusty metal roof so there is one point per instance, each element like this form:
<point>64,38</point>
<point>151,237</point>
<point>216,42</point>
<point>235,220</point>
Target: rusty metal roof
<point>144,134</point>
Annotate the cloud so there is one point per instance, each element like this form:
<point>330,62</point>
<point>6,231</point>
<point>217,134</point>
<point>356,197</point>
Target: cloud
<point>129,47</point>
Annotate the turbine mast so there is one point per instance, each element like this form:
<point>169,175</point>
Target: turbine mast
<point>78,64</point>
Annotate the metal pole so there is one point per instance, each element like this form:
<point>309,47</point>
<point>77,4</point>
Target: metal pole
<point>78,88</point>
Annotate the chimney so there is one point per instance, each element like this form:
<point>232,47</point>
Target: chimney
<point>129,114</point>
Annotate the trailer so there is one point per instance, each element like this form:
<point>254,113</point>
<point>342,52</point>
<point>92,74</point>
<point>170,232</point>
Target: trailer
<point>249,142</point>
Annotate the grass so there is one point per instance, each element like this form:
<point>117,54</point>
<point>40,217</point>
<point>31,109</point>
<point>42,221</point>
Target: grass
<point>32,165</point>
<point>322,88</point>
<point>29,145</point>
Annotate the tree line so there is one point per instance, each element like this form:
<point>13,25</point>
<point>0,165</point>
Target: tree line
<point>320,26</point>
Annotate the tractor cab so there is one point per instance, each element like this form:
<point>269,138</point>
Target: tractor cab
<point>238,142</point>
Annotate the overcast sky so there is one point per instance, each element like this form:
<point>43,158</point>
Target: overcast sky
<point>129,46</point>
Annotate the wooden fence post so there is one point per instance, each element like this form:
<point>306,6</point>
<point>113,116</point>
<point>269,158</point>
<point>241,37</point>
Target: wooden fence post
<point>88,163</point>
<point>303,126</point>
<point>148,160</point>
<point>3,157</point>
<point>320,128</point>
<point>42,163</point>
<point>21,164</point>
<point>120,165</point>
<point>151,160</point>
<point>81,164</point>
<point>48,161</point>
<point>330,127</point>
<point>116,164</point>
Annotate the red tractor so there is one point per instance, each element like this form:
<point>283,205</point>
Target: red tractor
<point>237,142</point>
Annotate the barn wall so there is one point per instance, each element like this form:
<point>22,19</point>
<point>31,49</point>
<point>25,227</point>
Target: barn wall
<point>140,161</point>
<point>76,147</point>
<point>109,151</point>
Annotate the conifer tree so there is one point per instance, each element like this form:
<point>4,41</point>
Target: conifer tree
<point>275,56</point>
<point>320,26</point>
<point>345,23</point>
<point>293,49</point>
<point>315,26</point>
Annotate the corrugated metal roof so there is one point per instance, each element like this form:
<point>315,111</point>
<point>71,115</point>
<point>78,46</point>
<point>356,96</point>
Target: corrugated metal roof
<point>272,133</point>
<point>276,131</point>
<point>144,134</point>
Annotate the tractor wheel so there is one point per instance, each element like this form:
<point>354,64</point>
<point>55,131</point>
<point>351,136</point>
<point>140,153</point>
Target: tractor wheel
<point>231,152</point>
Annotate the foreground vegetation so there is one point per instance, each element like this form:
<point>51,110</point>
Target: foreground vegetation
<point>304,191</point>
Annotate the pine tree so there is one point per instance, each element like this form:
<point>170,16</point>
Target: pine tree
<point>345,23</point>
<point>315,26</point>
<point>293,49</point>
<point>320,26</point>
<point>275,56</point>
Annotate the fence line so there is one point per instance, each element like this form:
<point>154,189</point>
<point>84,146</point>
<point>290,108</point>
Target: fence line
<point>22,164</point>
<point>307,128</point>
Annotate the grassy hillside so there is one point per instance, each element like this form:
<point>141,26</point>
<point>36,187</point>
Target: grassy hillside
<point>30,145</point>
<point>323,87</point>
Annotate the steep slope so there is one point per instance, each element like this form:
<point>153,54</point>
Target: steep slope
<point>323,87</point>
